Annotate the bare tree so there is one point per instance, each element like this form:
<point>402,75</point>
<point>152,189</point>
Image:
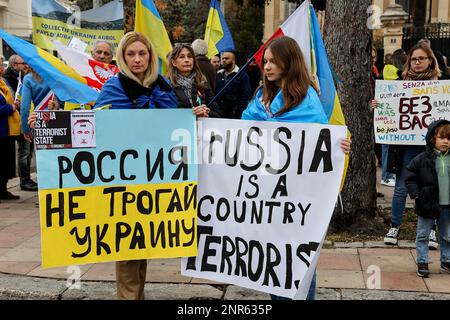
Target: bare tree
<point>348,41</point>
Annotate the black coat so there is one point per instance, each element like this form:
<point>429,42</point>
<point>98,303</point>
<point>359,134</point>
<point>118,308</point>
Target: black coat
<point>205,94</point>
<point>421,178</point>
<point>208,71</point>
<point>235,98</point>
<point>12,78</point>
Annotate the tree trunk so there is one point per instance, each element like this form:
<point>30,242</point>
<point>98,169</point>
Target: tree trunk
<point>129,8</point>
<point>348,41</point>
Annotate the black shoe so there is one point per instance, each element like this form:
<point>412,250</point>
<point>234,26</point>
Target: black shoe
<point>28,186</point>
<point>445,267</point>
<point>422,270</point>
<point>33,183</point>
<point>8,196</point>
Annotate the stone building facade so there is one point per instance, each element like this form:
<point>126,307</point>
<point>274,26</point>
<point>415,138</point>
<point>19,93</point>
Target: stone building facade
<point>391,15</point>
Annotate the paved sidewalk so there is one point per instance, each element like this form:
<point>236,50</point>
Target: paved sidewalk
<point>345,270</point>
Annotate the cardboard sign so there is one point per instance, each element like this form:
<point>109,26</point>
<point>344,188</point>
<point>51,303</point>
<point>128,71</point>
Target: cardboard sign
<point>133,196</point>
<point>64,129</point>
<point>406,109</point>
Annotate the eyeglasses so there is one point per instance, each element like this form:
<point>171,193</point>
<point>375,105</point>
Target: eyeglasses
<point>419,59</point>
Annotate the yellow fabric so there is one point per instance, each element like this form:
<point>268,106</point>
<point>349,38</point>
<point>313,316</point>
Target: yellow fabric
<point>390,72</point>
<point>4,90</point>
<point>76,106</point>
<point>337,118</point>
<point>213,32</point>
<point>14,124</point>
<point>14,119</point>
<point>148,21</point>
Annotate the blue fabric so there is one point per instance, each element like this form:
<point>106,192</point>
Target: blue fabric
<point>385,174</point>
<point>308,111</point>
<point>226,43</point>
<point>50,69</point>
<point>324,70</point>
<point>400,191</point>
<point>32,91</point>
<point>424,226</point>
<point>5,111</point>
<point>114,94</point>
<point>311,291</point>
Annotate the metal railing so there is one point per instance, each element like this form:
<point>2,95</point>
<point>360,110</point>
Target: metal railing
<point>437,33</point>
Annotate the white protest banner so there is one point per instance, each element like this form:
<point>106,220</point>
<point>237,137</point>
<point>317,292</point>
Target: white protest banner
<point>406,108</point>
<point>77,44</point>
<point>266,195</point>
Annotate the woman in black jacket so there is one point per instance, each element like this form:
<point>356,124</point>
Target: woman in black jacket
<point>421,64</point>
<point>428,182</point>
<point>189,84</point>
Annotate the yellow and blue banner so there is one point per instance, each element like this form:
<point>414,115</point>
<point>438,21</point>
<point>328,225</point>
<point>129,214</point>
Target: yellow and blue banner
<point>124,199</point>
<point>217,34</point>
<point>65,82</point>
<point>53,21</point>
<point>149,22</point>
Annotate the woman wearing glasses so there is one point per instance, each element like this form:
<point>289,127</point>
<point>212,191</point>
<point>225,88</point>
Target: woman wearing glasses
<point>189,84</point>
<point>421,64</point>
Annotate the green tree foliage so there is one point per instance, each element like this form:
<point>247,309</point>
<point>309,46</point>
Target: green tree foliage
<point>246,26</point>
<point>185,20</point>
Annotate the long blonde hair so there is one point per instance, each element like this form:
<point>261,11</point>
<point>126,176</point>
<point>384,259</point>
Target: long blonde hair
<point>151,74</point>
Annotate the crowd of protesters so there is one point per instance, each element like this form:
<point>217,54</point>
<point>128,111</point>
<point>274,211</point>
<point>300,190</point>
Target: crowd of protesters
<point>217,87</point>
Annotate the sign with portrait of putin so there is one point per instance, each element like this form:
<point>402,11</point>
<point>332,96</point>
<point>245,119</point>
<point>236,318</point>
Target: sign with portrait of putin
<point>83,129</point>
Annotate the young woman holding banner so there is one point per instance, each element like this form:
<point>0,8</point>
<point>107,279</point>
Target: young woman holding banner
<point>421,64</point>
<point>287,95</point>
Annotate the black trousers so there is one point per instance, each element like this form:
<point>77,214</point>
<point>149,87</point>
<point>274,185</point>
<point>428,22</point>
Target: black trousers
<point>7,161</point>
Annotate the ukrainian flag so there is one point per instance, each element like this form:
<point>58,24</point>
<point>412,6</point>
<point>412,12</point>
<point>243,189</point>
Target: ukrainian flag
<point>149,22</point>
<point>321,70</point>
<point>217,34</point>
<point>67,84</point>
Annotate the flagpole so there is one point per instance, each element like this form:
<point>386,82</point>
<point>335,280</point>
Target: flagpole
<point>240,70</point>
<point>228,83</point>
